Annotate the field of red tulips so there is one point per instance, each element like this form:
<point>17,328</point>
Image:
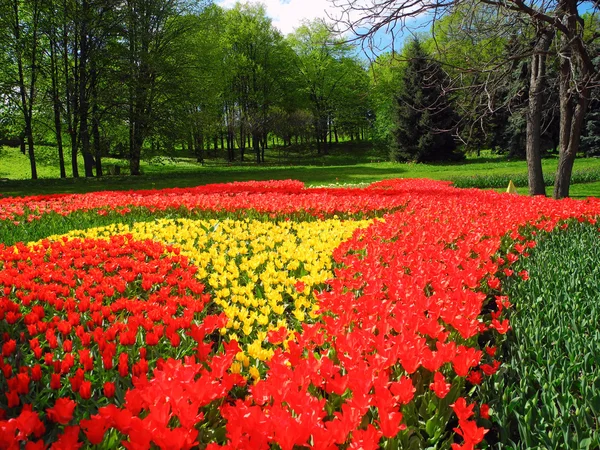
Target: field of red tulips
<point>223,326</point>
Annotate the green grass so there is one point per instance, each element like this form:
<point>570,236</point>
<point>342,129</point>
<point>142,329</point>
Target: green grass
<point>347,163</point>
<point>579,190</point>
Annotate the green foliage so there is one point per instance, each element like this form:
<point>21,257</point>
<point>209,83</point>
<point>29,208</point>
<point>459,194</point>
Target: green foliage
<point>590,140</point>
<point>333,82</point>
<point>385,80</point>
<point>15,165</point>
<point>425,118</point>
<point>548,393</point>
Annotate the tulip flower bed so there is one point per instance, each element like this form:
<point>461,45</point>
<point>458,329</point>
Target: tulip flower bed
<point>251,316</point>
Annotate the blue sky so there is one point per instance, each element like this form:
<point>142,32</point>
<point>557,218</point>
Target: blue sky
<point>289,14</point>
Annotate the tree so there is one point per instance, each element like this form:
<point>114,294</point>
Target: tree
<point>322,64</point>
<point>537,84</point>
<point>472,37</point>
<point>351,106</point>
<point>192,112</point>
<point>507,74</point>
<point>20,25</point>
<point>590,142</point>
<point>50,27</point>
<point>577,72</point>
<point>258,60</point>
<point>150,30</point>
<point>425,117</point>
<point>385,73</point>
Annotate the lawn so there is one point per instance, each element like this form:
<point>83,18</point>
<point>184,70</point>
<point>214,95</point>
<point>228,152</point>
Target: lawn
<point>345,164</point>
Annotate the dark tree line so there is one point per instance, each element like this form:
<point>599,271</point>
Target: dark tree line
<point>425,120</point>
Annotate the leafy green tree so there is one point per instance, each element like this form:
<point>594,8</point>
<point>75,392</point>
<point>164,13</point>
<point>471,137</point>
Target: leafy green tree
<point>20,37</point>
<point>385,78</point>
<point>256,57</point>
<point>499,67</point>
<point>150,29</point>
<point>192,112</point>
<point>323,65</point>
<point>425,118</point>
<point>351,106</point>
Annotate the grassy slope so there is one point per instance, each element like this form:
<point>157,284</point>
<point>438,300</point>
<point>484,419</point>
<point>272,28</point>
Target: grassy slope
<point>351,163</point>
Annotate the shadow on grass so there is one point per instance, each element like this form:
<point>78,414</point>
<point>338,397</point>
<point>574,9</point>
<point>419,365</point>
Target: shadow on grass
<point>312,175</point>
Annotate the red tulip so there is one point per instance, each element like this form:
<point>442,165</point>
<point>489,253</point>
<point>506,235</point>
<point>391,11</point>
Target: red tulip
<point>109,389</point>
<point>62,411</point>
<point>55,382</point>
<point>85,390</point>
<point>439,385</point>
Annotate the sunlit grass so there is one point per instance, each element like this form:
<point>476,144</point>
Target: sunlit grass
<point>347,164</point>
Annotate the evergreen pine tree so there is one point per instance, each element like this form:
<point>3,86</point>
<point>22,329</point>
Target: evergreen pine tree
<point>425,118</point>
<point>590,140</point>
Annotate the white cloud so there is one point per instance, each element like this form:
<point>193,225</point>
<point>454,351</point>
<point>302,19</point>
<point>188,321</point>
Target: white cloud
<point>289,14</point>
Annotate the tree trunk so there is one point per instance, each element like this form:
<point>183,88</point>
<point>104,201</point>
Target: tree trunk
<point>134,165</point>
<point>230,145</point>
<point>96,141</point>
<point>135,152</point>
<point>136,131</point>
<point>97,145</point>
<point>242,142</point>
<point>534,114</point>
<point>574,94</point>
<point>56,106</point>
<point>70,88</point>
<point>84,135</point>
<point>324,136</point>
<point>22,144</point>
<point>256,146</point>
<point>30,150</point>
<point>199,146</point>
<point>572,114</point>
<point>135,146</point>
<point>27,97</point>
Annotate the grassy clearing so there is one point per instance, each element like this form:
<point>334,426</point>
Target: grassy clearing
<point>348,163</point>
